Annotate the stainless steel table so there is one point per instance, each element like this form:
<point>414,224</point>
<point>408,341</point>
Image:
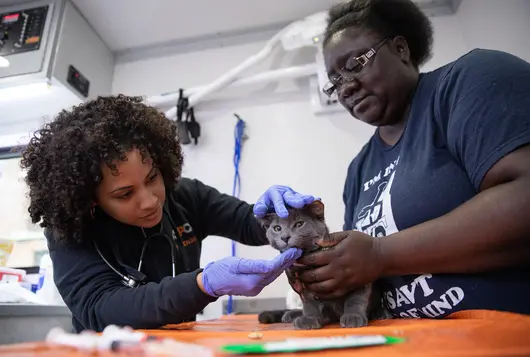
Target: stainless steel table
<point>24,323</point>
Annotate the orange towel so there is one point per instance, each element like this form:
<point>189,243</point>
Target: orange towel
<point>463,334</point>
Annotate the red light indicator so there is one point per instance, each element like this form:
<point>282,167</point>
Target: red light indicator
<point>11,18</point>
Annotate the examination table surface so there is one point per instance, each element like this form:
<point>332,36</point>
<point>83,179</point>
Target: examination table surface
<point>464,334</point>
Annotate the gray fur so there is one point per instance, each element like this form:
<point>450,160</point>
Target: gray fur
<point>301,229</point>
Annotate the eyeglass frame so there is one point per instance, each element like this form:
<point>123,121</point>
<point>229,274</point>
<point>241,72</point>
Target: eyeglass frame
<point>362,60</point>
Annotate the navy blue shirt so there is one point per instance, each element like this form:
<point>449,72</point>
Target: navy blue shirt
<point>464,117</point>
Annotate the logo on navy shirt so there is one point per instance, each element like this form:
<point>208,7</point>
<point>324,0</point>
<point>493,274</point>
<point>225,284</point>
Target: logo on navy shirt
<point>414,296</point>
<point>377,218</point>
<point>404,300</point>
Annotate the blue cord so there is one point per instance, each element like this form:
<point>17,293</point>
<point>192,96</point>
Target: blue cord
<point>239,133</point>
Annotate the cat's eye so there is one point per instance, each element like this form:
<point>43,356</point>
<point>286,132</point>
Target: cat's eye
<point>299,224</point>
<point>277,228</point>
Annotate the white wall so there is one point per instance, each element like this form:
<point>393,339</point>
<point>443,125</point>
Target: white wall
<point>288,144</point>
<point>496,24</point>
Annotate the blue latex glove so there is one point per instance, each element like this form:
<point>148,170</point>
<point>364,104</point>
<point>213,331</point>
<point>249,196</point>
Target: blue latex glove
<point>246,277</point>
<point>278,197</point>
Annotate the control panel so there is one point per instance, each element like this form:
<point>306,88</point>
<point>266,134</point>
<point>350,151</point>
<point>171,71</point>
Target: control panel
<point>21,31</point>
<point>78,81</point>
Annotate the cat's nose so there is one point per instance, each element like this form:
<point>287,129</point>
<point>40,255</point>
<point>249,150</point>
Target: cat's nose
<point>286,238</point>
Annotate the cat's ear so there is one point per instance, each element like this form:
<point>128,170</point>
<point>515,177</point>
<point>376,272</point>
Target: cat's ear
<point>266,221</point>
<point>316,208</point>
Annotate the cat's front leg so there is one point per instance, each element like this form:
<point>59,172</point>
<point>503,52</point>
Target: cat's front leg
<point>290,315</point>
<point>356,306</point>
<point>312,318</point>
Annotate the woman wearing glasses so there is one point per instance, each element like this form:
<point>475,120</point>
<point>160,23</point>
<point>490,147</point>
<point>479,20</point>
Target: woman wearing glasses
<point>438,200</point>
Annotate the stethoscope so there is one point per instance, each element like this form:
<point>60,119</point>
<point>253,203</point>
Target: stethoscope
<point>134,278</point>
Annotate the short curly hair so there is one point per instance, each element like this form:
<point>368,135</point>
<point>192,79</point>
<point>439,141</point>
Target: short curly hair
<point>63,159</point>
<point>389,18</point>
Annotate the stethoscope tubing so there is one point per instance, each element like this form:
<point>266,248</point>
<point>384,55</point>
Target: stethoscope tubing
<point>171,242</point>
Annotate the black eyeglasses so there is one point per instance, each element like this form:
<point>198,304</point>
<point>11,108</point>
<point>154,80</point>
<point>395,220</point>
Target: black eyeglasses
<point>351,69</point>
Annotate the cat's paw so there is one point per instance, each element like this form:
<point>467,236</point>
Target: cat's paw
<point>289,316</point>
<point>307,323</point>
<point>353,320</point>
<point>270,317</point>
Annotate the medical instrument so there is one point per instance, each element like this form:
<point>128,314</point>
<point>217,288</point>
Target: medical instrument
<point>183,133</point>
<point>134,277</point>
<point>166,237</point>
<point>118,340</point>
<point>189,128</point>
<point>194,128</point>
<point>311,344</point>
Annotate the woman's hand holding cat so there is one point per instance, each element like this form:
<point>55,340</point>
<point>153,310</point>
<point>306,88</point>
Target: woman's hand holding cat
<point>278,197</point>
<point>351,262</point>
<point>246,277</point>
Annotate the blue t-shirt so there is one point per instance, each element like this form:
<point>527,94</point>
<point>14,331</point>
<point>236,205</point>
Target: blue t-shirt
<point>464,117</point>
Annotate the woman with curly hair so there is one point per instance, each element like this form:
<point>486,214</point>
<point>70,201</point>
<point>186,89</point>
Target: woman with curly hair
<point>438,201</point>
<point>124,229</point>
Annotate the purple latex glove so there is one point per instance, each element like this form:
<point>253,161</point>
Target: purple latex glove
<point>278,197</point>
<point>245,277</point>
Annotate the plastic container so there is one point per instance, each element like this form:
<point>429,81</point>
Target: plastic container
<point>32,282</point>
<point>47,290</point>
<point>45,270</point>
<point>8,275</point>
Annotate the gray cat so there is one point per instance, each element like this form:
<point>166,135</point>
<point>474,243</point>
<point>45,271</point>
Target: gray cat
<point>302,229</point>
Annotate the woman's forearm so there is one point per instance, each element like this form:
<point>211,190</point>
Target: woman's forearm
<point>490,231</point>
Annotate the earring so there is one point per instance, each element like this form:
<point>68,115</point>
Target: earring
<point>92,211</point>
